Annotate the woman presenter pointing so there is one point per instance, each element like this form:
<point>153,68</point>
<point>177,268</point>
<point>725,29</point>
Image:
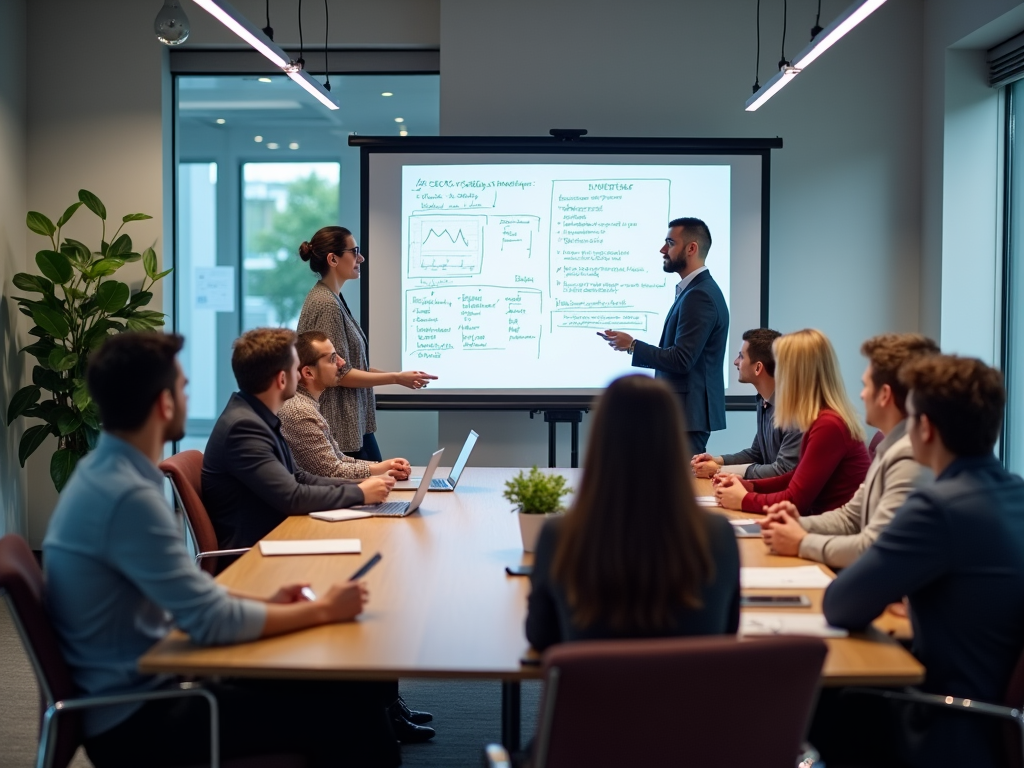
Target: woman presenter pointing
<point>349,408</point>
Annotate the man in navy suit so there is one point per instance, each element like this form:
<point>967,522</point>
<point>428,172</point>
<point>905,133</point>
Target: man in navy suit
<point>691,353</point>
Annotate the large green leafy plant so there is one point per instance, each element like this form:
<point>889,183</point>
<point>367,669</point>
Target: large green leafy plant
<point>76,304</point>
<point>536,493</point>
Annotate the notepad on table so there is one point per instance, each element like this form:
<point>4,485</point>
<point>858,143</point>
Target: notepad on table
<point>707,501</point>
<point>754,623</point>
<point>312,547</point>
<point>337,515</point>
<point>800,577</point>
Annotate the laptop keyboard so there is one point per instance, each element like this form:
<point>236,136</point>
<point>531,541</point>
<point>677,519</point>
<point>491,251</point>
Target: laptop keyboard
<point>438,483</point>
<point>390,509</point>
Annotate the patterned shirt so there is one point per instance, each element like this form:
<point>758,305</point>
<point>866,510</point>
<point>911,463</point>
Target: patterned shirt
<point>351,411</point>
<point>309,436</point>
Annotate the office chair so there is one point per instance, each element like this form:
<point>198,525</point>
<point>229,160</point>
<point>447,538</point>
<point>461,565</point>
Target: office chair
<point>185,471</point>
<point>680,701</point>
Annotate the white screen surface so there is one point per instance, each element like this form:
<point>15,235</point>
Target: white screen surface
<point>494,272</point>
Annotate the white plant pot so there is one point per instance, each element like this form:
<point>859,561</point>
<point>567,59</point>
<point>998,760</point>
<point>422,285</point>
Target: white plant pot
<point>529,528</point>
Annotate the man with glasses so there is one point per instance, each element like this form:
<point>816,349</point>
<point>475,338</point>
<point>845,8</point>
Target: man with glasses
<point>306,430</point>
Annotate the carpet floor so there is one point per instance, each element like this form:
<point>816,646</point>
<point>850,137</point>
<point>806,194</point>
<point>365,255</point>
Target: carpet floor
<point>467,715</point>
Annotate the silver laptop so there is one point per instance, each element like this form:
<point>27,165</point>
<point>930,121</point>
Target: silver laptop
<point>438,484</point>
<point>404,508</point>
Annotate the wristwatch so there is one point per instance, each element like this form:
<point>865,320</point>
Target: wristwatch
<point>631,345</point>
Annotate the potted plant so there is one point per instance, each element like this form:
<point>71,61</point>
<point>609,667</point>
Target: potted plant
<point>78,304</point>
<point>537,496</point>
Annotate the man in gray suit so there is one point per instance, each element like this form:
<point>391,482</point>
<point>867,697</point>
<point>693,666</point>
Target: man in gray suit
<point>691,354</point>
<point>838,537</point>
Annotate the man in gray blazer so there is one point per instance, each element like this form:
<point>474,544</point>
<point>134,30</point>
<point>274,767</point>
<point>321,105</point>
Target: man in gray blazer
<point>691,354</point>
<point>838,537</point>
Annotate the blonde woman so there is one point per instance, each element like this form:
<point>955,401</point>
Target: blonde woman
<point>809,396</point>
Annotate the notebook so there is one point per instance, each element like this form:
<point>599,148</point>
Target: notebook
<point>311,547</point>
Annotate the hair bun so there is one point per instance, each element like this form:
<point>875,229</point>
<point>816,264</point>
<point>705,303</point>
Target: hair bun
<point>305,251</point>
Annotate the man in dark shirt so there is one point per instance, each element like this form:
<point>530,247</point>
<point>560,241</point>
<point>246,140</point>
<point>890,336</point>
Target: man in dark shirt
<point>775,451</point>
<point>250,482</point>
<point>956,550</point>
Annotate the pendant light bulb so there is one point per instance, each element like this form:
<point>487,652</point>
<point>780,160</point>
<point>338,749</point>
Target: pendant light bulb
<point>171,24</point>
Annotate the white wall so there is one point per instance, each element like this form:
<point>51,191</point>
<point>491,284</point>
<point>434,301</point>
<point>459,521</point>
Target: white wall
<point>13,256</point>
<point>846,191</point>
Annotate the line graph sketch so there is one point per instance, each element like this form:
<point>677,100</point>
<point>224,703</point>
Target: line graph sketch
<point>445,245</point>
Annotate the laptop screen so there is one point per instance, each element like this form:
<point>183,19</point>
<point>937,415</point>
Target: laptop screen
<point>460,463</point>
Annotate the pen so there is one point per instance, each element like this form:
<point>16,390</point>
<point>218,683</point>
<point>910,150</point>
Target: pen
<point>308,593</point>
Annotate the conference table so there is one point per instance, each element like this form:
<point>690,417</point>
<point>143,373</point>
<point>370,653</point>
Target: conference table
<point>442,606</point>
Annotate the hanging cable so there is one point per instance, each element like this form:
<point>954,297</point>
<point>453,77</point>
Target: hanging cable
<point>327,67</point>
<point>268,30</point>
<point>816,29</point>
<point>757,60</point>
<point>301,61</point>
<point>783,63</point>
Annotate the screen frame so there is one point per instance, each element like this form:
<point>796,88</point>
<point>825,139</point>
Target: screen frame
<point>512,145</point>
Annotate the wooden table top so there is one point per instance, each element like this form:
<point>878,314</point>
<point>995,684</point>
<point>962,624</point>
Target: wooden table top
<point>441,604</point>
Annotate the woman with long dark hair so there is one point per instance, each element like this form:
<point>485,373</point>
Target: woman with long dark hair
<point>350,408</point>
<point>634,556</point>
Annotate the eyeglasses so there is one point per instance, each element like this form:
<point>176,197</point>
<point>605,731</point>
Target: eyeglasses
<point>355,251</point>
<point>333,356</point>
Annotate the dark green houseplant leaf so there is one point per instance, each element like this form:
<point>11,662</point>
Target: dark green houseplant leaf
<point>105,266</point>
<point>111,296</point>
<point>55,265</point>
<point>26,282</point>
<point>53,322</point>
<point>149,261</point>
<point>66,216</point>
<point>136,217</point>
<point>31,440</point>
<point>62,464</point>
<point>62,360</point>
<point>40,224</point>
<point>23,399</point>
<point>122,245</point>
<point>92,203</point>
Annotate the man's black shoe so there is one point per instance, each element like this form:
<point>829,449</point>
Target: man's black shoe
<point>412,715</point>
<point>406,732</point>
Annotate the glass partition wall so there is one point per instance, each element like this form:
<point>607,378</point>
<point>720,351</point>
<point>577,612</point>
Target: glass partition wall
<point>260,166</point>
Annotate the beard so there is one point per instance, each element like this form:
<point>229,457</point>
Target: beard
<point>669,265</point>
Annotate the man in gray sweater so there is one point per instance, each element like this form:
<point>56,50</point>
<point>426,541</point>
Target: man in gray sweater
<point>774,451</point>
<point>838,537</point>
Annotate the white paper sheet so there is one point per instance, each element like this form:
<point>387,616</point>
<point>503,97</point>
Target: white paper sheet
<point>800,577</point>
<point>707,501</point>
<point>744,521</point>
<point>754,623</point>
<point>337,515</point>
<point>312,547</point>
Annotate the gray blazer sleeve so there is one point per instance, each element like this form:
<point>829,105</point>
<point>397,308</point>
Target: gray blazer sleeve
<point>836,537</point>
<point>785,461</point>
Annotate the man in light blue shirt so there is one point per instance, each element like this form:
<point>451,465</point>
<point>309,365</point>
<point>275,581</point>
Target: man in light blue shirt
<point>118,578</point>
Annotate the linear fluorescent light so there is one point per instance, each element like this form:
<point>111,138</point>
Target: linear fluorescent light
<point>769,89</point>
<point>824,40</point>
<point>245,29</point>
<point>312,86</point>
<point>842,24</point>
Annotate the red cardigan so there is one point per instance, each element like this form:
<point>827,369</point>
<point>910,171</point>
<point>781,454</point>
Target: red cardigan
<point>832,466</point>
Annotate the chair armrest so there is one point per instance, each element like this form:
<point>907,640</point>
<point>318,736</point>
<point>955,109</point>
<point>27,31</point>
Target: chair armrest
<point>947,702</point>
<point>47,738</point>
<point>496,756</point>
<point>221,553</point>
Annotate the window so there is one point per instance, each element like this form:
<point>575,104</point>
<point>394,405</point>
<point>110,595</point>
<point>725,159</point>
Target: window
<point>1012,444</point>
<point>261,165</point>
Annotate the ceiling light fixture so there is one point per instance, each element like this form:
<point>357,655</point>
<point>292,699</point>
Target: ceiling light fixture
<point>387,93</point>
<point>399,119</point>
<point>245,29</point>
<point>403,133</point>
<point>257,139</point>
<point>264,79</point>
<point>171,24</point>
<point>293,145</point>
<point>221,121</point>
<point>272,145</point>
<point>822,41</point>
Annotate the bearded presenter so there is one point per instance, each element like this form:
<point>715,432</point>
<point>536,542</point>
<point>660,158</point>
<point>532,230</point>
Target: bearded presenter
<point>691,354</point>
